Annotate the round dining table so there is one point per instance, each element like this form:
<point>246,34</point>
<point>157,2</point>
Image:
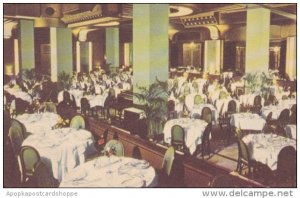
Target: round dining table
<point>110,172</point>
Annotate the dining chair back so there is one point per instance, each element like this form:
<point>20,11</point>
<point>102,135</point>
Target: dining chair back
<point>66,96</point>
<point>257,100</point>
<point>272,100</point>
<point>232,107</point>
<point>257,105</point>
<point>177,136</point>
<point>136,153</point>
<point>198,100</point>
<point>283,118</point>
<point>29,157</point>
<point>205,144</point>
<point>244,158</point>
<point>279,130</point>
<point>293,116</point>
<point>77,122</point>
<point>16,138</point>
<point>20,126</point>
<point>116,147</point>
<point>206,114</point>
<point>112,93</point>
<point>172,113</point>
<point>168,160</point>
<point>171,105</point>
<point>85,106</point>
<point>287,164</point>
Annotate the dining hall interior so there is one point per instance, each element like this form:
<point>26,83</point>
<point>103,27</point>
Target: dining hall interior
<point>149,95</point>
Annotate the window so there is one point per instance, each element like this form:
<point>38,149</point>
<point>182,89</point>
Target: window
<point>192,54</point>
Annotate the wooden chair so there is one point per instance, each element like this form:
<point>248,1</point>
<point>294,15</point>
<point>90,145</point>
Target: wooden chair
<point>198,100</point>
<point>244,158</point>
<point>85,106</point>
<point>286,166</point>
<point>172,113</point>
<point>166,168</point>
<point>205,144</point>
<point>178,138</point>
<point>29,157</point>
<point>116,146</point>
<point>16,138</point>
<point>283,118</point>
<point>256,108</point>
<point>206,114</point>
<point>20,126</point>
<point>293,116</point>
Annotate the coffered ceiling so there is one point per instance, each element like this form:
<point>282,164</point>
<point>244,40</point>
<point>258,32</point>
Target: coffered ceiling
<point>104,15</point>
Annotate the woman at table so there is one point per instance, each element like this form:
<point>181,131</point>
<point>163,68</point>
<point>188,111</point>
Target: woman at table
<point>66,106</point>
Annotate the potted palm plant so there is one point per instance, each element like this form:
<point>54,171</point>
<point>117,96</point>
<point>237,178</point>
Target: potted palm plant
<point>258,82</point>
<point>64,81</point>
<point>153,100</point>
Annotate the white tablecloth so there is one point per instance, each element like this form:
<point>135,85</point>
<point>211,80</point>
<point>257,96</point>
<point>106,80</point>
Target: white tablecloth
<point>276,110</point>
<point>247,121</point>
<point>248,99</point>
<point>96,100</point>
<point>287,103</point>
<point>266,147</point>
<point>112,172</point>
<point>224,102</point>
<point>198,109</point>
<point>38,123</point>
<point>19,94</point>
<point>193,128</point>
<point>291,131</point>
<point>62,149</point>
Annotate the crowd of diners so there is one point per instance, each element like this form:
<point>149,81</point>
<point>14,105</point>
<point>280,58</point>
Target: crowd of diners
<point>224,97</point>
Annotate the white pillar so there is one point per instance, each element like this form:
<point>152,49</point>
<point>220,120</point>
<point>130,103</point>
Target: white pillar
<point>257,40</point>
<point>291,57</point>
